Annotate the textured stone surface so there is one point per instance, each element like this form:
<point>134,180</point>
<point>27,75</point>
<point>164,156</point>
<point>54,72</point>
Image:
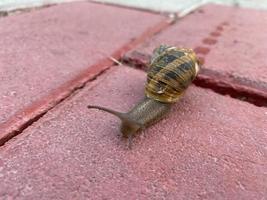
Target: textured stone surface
<point>193,30</point>
<point>45,48</point>
<point>209,147</point>
<point>230,41</point>
<point>241,50</point>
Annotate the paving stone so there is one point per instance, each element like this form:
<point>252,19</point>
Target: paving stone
<point>47,48</point>
<point>231,43</point>
<point>208,147</point>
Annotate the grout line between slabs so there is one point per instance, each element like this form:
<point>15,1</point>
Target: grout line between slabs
<point>36,118</point>
<point>32,113</point>
<point>229,86</point>
<point>22,119</point>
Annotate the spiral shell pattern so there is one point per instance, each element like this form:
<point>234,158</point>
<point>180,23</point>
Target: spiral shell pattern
<point>171,71</point>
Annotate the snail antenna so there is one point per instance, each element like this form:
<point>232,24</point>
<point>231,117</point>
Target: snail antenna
<point>128,126</point>
<point>118,114</point>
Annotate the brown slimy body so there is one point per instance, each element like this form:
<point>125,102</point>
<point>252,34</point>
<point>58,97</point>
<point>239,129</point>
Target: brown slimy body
<point>144,114</point>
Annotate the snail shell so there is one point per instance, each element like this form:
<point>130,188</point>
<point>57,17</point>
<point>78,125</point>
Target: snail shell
<point>171,71</point>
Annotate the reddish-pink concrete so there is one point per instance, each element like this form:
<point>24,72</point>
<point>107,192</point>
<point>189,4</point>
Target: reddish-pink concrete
<point>191,30</point>
<point>52,51</point>
<point>209,147</point>
<point>241,50</point>
<point>228,40</point>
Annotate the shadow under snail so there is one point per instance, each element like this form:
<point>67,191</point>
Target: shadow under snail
<point>171,71</point>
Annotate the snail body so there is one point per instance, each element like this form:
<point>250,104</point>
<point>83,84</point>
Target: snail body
<point>171,70</point>
<point>145,113</point>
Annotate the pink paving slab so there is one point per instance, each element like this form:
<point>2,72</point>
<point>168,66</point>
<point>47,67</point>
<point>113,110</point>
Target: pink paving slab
<point>209,147</point>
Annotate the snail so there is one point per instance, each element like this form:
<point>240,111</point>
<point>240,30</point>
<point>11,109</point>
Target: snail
<point>171,70</point>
